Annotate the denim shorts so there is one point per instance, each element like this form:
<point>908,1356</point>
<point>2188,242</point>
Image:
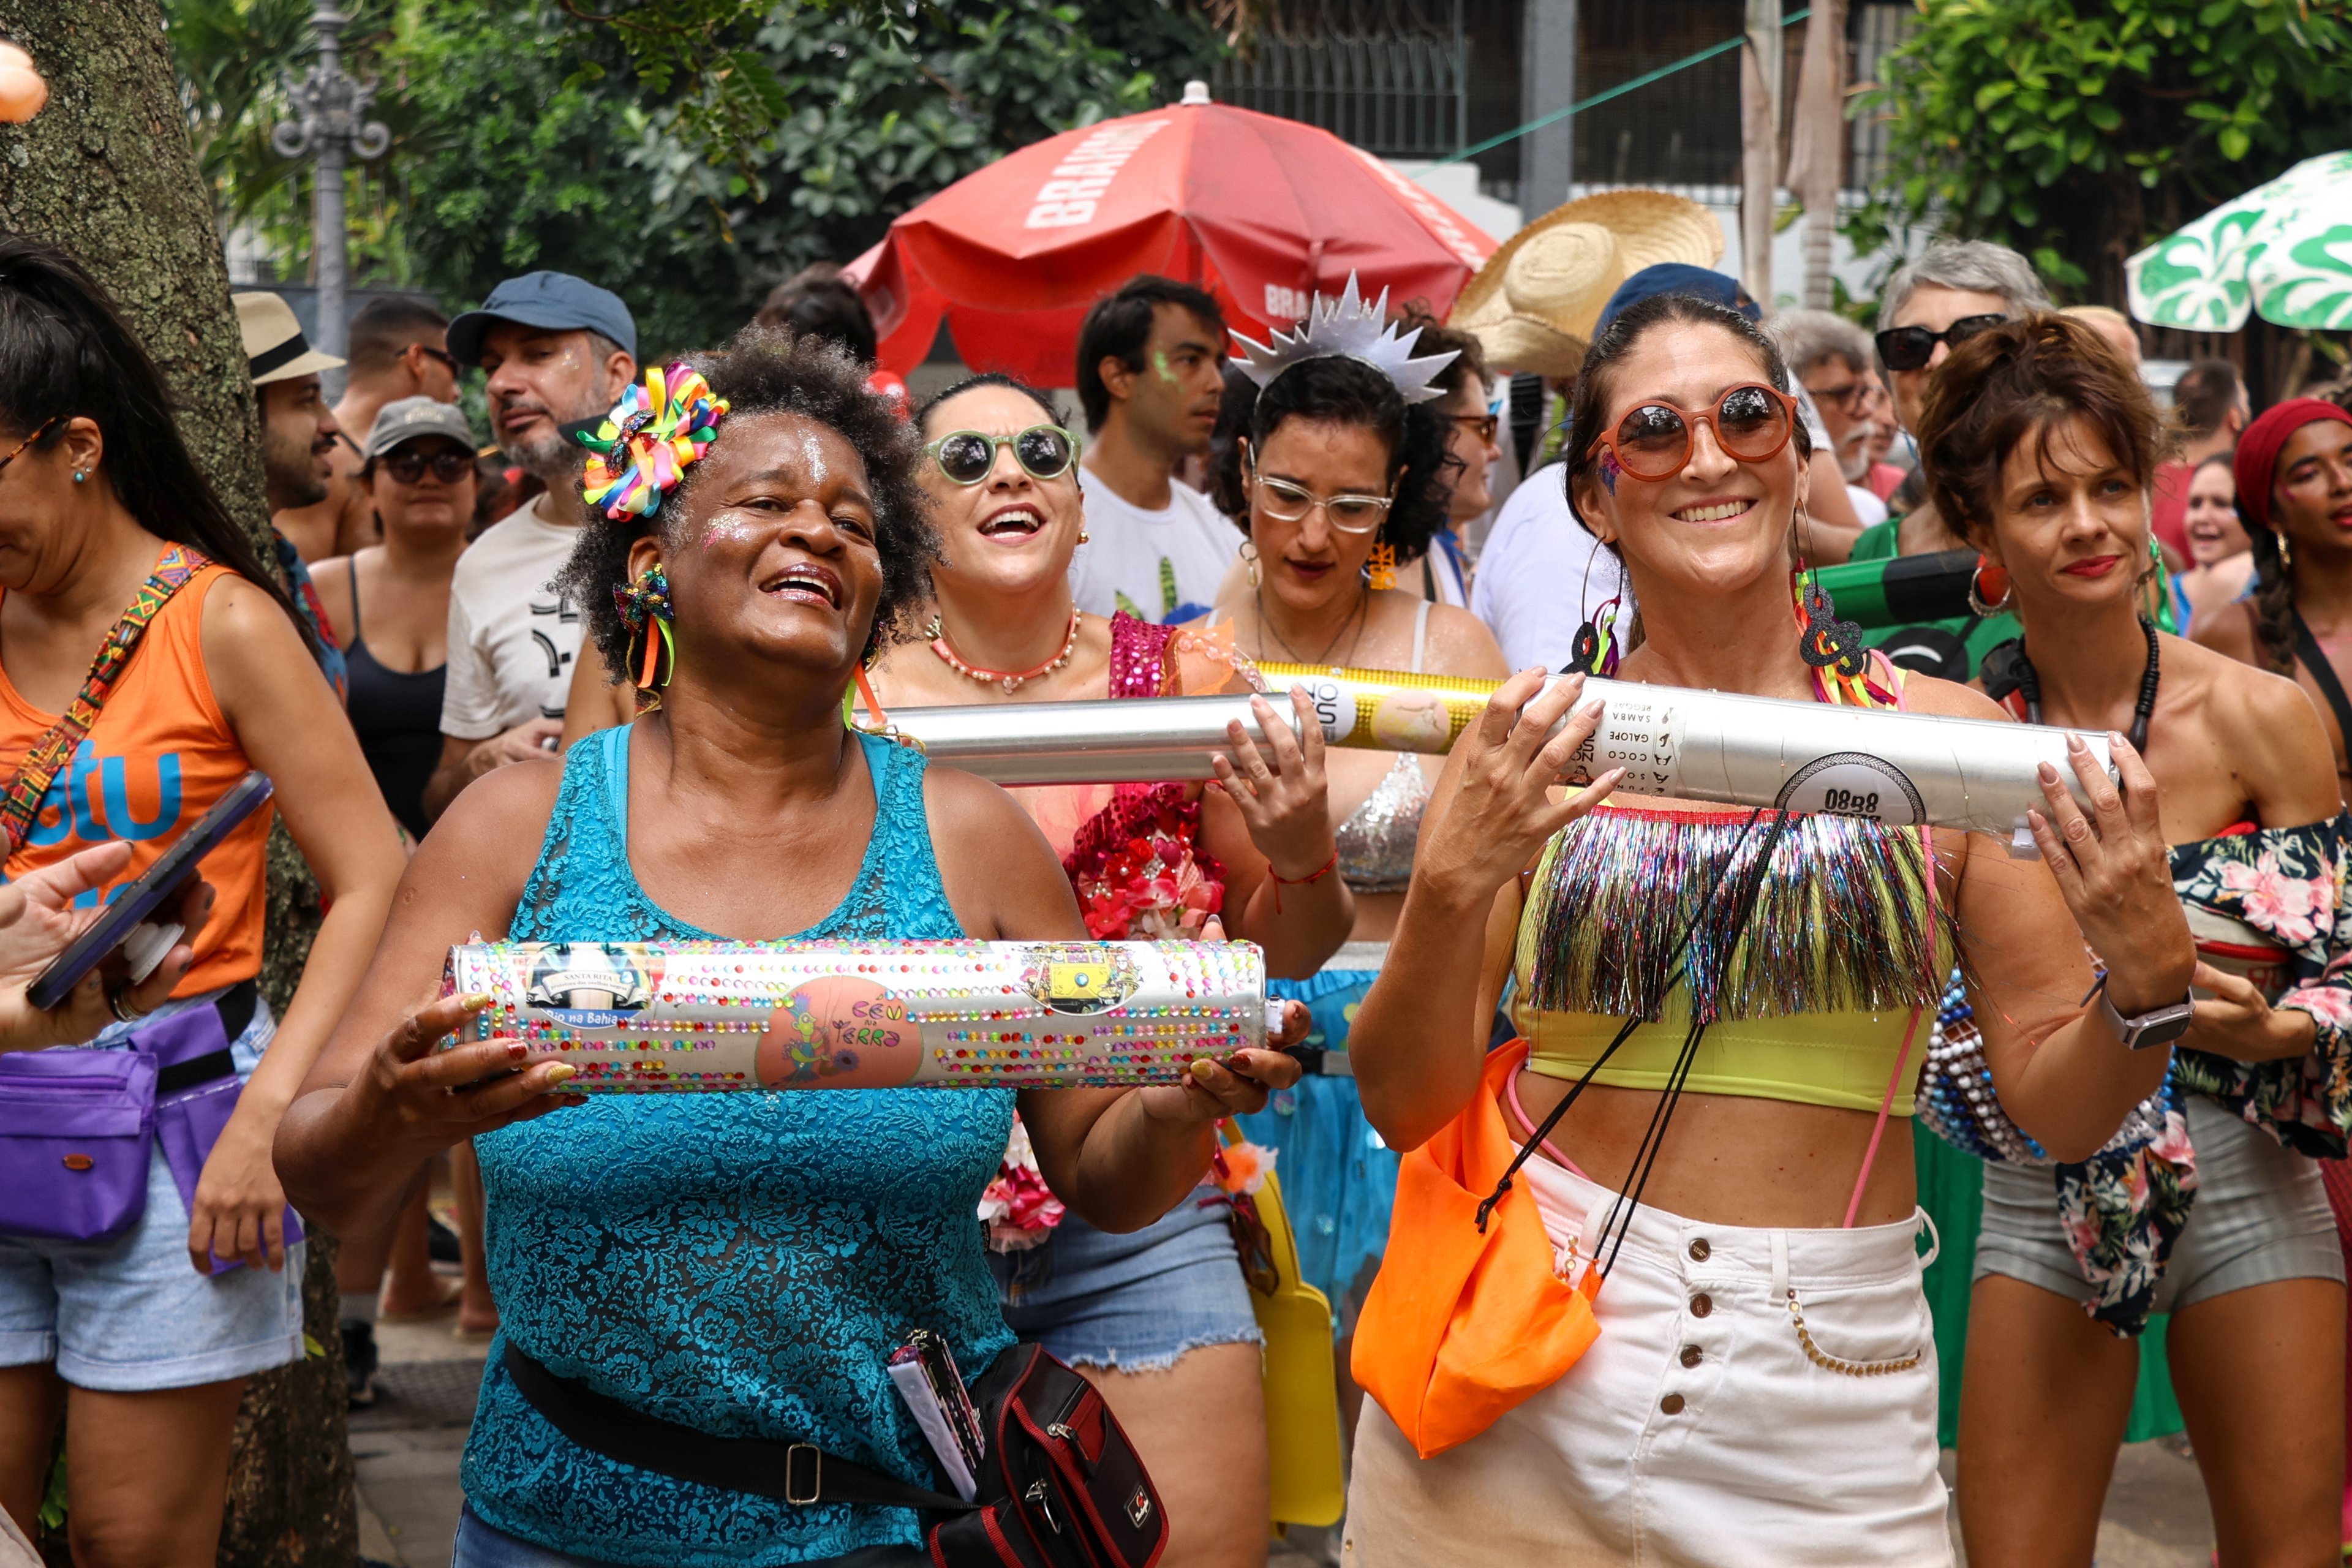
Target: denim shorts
<point>1133,1302</point>
<point>132,1315</point>
<point>2261,1215</point>
<point>483,1545</point>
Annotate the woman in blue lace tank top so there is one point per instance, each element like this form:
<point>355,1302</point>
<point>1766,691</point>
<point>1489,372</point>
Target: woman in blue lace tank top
<point>738,1264</point>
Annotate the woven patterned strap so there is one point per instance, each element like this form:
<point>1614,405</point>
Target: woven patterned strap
<point>48,754</point>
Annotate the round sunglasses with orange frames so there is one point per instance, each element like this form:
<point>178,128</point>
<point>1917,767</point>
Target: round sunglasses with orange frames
<point>1751,422</point>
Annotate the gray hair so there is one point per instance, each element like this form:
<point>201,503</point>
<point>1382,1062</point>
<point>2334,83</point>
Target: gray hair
<point>1979,265</point>
<point>1809,337</point>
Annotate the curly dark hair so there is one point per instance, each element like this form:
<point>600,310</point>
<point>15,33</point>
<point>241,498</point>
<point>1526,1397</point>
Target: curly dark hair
<point>1596,381</point>
<point>762,371</point>
<point>1339,391</point>
<point>2018,382</point>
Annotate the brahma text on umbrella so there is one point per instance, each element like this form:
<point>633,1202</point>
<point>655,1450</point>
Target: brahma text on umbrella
<point>1067,197</point>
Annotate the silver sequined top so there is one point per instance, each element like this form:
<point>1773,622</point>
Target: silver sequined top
<point>1376,841</point>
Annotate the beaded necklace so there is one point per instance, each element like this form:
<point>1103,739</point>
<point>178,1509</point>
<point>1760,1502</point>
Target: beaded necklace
<point>1012,681</point>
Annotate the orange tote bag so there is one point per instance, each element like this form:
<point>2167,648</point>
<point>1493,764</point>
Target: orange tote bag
<point>1461,1327</point>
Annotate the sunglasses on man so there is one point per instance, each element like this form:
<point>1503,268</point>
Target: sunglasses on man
<point>1910,348</point>
<point>408,467</point>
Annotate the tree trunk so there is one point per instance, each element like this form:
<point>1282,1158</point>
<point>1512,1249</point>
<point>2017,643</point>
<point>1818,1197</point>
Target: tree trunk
<point>106,172</point>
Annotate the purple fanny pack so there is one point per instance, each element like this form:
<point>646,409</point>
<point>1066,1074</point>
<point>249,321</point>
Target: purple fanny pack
<point>78,1126</point>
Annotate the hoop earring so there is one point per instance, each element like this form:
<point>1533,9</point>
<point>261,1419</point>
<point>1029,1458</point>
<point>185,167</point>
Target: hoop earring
<point>1249,557</point>
<point>1595,650</point>
<point>1380,570</point>
<point>1986,573</point>
<point>644,607</point>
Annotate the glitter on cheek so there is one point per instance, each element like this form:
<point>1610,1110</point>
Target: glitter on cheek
<point>813,452</point>
<point>725,529</point>
<point>1609,471</point>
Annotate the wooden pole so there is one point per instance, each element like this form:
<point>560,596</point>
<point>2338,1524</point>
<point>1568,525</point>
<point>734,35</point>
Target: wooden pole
<point>1817,155</point>
<point>1760,167</point>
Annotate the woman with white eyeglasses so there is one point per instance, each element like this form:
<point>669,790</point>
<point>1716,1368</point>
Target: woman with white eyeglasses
<point>1340,483</point>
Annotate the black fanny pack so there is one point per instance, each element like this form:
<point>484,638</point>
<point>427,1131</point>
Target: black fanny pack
<point>1061,1485</point>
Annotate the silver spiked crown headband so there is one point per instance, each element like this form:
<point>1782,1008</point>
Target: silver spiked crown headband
<point>1346,328</point>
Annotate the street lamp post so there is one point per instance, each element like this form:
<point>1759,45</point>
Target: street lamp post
<point>331,125</point>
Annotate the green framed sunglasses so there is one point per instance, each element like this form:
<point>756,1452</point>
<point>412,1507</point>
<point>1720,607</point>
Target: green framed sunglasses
<point>966,457</point>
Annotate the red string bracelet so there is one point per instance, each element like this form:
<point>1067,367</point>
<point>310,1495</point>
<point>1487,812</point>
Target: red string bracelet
<point>1316,875</point>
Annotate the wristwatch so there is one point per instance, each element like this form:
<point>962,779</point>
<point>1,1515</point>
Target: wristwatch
<point>2157,1026</point>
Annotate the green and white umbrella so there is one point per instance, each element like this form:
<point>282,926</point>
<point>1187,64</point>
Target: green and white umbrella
<point>2284,250</point>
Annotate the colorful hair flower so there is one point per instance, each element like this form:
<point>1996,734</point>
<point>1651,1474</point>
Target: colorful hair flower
<point>642,449</point>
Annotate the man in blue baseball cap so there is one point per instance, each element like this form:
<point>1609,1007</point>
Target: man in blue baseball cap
<point>558,349</point>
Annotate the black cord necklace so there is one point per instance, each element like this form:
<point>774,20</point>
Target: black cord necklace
<point>2030,684</point>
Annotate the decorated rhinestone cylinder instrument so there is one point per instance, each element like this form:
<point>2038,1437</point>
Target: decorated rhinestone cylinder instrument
<point>1902,769</point>
<point>666,1017</point>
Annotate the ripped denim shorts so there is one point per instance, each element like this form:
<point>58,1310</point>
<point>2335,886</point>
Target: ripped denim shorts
<point>1133,1302</point>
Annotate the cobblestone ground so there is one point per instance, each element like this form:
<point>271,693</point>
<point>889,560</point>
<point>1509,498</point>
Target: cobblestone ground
<point>407,1447</point>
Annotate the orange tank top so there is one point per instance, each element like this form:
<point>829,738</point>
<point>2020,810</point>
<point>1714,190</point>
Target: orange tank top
<point>159,757</point>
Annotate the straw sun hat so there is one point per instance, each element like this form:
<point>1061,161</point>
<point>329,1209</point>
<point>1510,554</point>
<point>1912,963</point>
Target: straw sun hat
<point>1532,305</point>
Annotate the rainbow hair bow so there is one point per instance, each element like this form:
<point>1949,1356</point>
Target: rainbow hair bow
<point>642,449</point>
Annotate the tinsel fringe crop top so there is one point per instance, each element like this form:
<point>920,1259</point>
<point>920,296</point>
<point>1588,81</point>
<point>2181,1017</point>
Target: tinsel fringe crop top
<point>1842,956</point>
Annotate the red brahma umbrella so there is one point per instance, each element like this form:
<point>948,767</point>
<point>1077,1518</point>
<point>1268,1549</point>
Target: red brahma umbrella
<point>1263,212</point>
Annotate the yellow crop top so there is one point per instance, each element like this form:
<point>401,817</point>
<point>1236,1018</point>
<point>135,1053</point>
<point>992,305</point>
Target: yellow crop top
<point>1840,960</point>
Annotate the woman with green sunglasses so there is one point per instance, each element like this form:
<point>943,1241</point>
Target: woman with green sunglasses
<point>1160,1320</point>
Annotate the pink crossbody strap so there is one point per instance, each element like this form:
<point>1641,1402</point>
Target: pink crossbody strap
<point>1911,1031</point>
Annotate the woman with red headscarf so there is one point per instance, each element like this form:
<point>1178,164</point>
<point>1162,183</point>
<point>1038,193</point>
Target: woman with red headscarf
<point>2295,491</point>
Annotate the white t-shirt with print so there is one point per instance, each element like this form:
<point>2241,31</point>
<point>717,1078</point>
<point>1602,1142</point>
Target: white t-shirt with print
<point>512,639</point>
<point>1139,556</point>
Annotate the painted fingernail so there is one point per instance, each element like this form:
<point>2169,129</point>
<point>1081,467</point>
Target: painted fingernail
<point>516,1050</point>
<point>477,999</point>
<point>561,1072</point>
<point>2047,773</point>
<point>1203,1069</point>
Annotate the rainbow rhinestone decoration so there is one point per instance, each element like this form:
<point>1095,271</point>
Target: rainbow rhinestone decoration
<point>699,1017</point>
<point>642,448</point>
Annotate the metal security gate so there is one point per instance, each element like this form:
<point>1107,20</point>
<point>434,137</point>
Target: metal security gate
<point>1390,77</point>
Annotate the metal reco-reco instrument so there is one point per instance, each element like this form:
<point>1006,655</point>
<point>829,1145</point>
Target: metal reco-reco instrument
<point>1902,769</point>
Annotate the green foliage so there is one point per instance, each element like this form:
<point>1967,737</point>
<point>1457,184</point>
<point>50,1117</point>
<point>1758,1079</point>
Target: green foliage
<point>623,145</point>
<point>2076,130</point>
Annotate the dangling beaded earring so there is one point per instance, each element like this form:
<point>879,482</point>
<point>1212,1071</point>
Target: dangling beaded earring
<point>1988,575</point>
<point>1380,570</point>
<point>645,610</point>
<point>1595,649</point>
<point>1832,647</point>
<point>1249,557</point>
